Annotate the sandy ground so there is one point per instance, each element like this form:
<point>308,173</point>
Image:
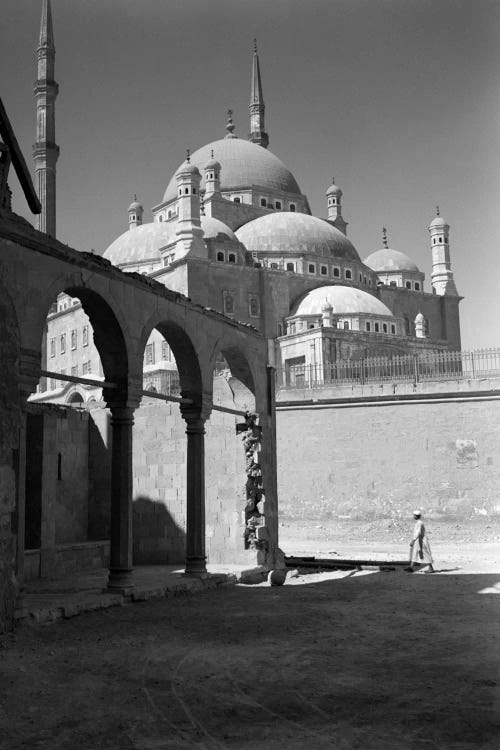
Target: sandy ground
<point>344,660</point>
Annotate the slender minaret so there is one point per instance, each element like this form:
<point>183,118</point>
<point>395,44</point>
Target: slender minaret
<point>442,275</point>
<point>257,108</point>
<point>334,196</point>
<point>45,150</point>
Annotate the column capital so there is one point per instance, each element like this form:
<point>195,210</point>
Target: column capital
<point>192,413</point>
<point>127,396</point>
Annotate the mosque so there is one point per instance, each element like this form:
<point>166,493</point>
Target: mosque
<point>234,233</point>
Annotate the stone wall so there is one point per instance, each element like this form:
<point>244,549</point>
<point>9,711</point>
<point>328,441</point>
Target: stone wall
<point>361,461</point>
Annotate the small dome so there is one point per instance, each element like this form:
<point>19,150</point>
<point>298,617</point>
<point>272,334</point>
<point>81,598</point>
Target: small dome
<point>212,164</point>
<point>286,232</point>
<point>213,228</point>
<point>344,300</point>
<point>135,206</point>
<point>390,260</point>
<point>438,222</point>
<point>242,164</point>
<point>334,190</point>
<point>188,168</point>
<point>141,243</point>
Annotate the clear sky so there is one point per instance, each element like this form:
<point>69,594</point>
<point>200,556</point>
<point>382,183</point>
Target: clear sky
<point>398,99</point>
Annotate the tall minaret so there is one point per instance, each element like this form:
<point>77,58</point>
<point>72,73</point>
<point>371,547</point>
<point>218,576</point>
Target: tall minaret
<point>442,276</point>
<point>257,108</point>
<point>45,150</point>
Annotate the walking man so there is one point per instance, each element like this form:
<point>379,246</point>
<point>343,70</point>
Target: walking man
<point>420,550</point>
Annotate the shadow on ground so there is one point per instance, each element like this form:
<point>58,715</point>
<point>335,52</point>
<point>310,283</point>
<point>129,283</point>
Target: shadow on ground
<point>371,660</point>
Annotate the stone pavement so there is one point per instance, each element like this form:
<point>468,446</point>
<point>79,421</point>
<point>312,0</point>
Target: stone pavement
<point>47,600</point>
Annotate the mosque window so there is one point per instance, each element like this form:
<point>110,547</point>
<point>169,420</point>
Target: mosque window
<point>407,325</point>
<point>384,327</point>
<point>63,343</point>
<point>324,270</point>
<point>408,285</point>
<point>311,268</point>
<point>364,279</point>
<point>73,339</point>
<point>180,191</point>
<point>278,205</point>
<point>393,328</point>
<point>368,325</point>
<point>149,354</point>
<point>169,215</point>
<point>290,266</point>
<point>369,282</point>
<point>74,370</point>
<point>292,207</point>
<point>377,328</point>
<point>52,347</point>
<point>310,326</point>
<point>263,202</point>
<point>417,286</point>
<point>87,367</point>
<point>165,351</point>
<point>237,199</point>
<point>231,258</point>
<point>336,272</point>
<point>220,256</point>
<point>346,325</point>
<point>441,239</point>
<point>228,303</point>
<point>360,278</point>
<point>274,265</point>
<point>85,333</point>
<point>348,273</point>
<point>254,306</point>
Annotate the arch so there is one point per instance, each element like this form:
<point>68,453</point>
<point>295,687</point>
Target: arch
<point>75,398</point>
<point>238,364</point>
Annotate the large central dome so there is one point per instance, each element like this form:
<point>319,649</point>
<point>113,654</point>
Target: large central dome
<point>243,164</point>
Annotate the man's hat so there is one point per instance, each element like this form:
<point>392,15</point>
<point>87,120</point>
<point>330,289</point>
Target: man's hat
<point>417,513</point>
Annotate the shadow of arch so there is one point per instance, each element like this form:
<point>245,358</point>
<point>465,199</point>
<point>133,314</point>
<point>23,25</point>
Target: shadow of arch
<point>158,538</point>
<point>239,366</point>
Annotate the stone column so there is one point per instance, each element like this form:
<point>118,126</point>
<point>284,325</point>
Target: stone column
<point>120,578</point>
<point>196,561</point>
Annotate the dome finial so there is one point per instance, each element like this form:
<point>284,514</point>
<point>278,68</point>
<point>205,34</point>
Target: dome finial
<point>384,237</point>
<point>211,153</point>
<point>188,156</point>
<point>230,124</point>
<point>202,205</point>
<point>255,45</point>
<point>437,211</point>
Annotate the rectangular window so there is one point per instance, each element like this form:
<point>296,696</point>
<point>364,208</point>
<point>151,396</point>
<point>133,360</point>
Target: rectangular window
<point>377,328</point>
<point>253,306</point>
<point>165,351</point>
<point>336,273</point>
<point>87,367</point>
<point>368,326</point>
<point>384,327</point>
<point>149,354</point>
<point>52,347</point>
<point>417,286</point>
<point>393,328</point>
<point>63,343</point>
<point>85,335</point>
<point>278,205</point>
<point>74,370</point>
<point>290,266</point>
<point>237,199</point>
<point>73,339</point>
<point>311,268</point>
<point>324,270</point>
<point>263,202</point>
<point>408,284</point>
<point>348,273</point>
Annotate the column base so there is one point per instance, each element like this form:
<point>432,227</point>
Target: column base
<point>120,581</point>
<point>196,567</point>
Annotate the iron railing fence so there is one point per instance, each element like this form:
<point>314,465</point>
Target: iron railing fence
<point>417,367</point>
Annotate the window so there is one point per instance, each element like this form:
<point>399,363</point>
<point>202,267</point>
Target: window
<point>231,258</point>
<point>263,202</point>
<point>254,306</point>
<point>228,303</point>
<point>364,279</point>
<point>336,273</point>
<point>348,273</point>
<point>278,205</point>
<point>149,354</point>
<point>311,268</point>
<point>290,266</point>
<point>377,328</point>
<point>73,339</point>
<point>74,370</point>
<point>52,347</point>
<point>165,351</point>
<point>392,283</point>
<point>441,239</point>
<point>279,329</point>
<point>393,328</point>
<point>292,207</point>
<point>237,199</point>
<point>87,367</point>
<point>417,286</point>
<point>384,327</point>
<point>161,217</point>
<point>220,256</point>
<point>368,325</point>
<point>63,343</point>
<point>346,325</point>
<point>310,326</point>
<point>274,265</point>
<point>408,284</point>
<point>85,333</point>
<point>324,270</point>
<point>360,278</point>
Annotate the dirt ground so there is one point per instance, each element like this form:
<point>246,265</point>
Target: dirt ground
<point>343,660</point>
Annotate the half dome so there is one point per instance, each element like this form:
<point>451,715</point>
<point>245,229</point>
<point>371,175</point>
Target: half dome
<point>286,232</point>
<point>389,260</point>
<point>243,164</point>
<point>343,299</point>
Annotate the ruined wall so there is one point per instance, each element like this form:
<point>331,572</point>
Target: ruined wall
<point>364,461</point>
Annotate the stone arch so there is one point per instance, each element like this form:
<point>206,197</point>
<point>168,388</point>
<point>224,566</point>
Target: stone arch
<point>75,398</point>
<point>238,364</point>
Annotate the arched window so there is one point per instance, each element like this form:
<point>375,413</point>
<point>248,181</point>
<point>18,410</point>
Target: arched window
<point>292,207</point>
<point>408,284</point>
<point>368,325</point>
<point>161,218</point>
<point>384,327</point>
<point>274,265</point>
<point>228,303</point>
<point>393,328</point>
<point>377,328</point>
<point>220,256</point>
<point>231,258</point>
<point>278,205</point>
<point>417,286</point>
<point>346,325</point>
<point>348,273</point>
<point>263,202</point>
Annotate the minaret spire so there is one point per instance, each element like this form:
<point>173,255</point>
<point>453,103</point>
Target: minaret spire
<point>45,150</point>
<point>257,107</point>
